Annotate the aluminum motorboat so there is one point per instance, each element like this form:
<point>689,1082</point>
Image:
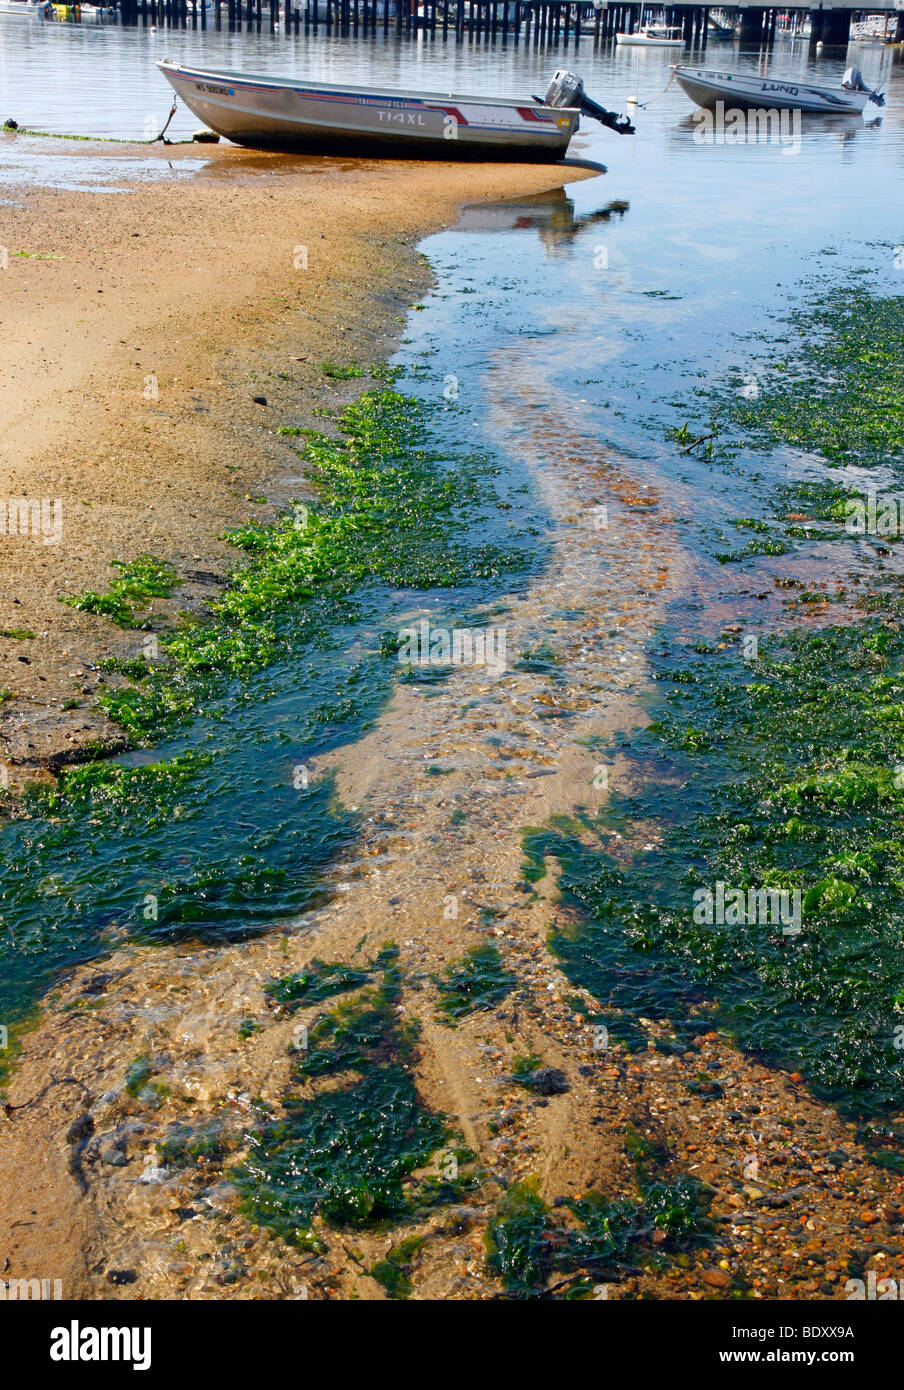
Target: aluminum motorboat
<point>285,113</point>
<point>744,90</point>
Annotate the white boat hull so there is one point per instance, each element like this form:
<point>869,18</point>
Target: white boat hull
<point>643,41</point>
<point>20,10</point>
<point>744,90</point>
<point>277,113</point>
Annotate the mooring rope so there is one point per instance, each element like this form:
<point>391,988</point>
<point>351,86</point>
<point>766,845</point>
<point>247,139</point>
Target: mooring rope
<point>166,127</point>
<point>642,104</point>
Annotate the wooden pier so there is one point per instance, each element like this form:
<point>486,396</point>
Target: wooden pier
<point>490,19</point>
<point>538,21</point>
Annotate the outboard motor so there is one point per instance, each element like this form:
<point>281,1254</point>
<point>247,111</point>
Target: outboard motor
<point>853,82</point>
<point>567,89</point>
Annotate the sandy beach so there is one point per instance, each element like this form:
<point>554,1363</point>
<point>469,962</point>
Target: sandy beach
<point>137,329</point>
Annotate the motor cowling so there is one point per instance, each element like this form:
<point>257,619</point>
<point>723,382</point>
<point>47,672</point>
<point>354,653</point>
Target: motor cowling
<point>853,82</point>
<point>567,89</point>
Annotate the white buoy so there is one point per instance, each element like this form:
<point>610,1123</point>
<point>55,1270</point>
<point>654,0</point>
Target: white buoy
<point>632,101</point>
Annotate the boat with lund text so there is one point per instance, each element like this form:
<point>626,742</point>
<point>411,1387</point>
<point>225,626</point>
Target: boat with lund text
<point>749,90</point>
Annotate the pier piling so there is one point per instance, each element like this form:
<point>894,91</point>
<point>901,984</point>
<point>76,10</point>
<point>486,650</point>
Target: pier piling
<point>493,21</point>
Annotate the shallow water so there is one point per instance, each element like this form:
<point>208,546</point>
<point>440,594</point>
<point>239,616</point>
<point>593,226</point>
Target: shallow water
<point>569,330</point>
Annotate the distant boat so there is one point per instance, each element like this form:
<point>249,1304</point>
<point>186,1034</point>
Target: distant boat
<point>287,114</point>
<point>27,9</point>
<point>651,37</point>
<point>744,90</point>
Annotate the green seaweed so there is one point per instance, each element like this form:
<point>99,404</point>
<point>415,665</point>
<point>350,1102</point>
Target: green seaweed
<point>318,981</point>
<point>135,667</point>
<point>385,372</point>
<point>218,846</point>
<point>542,658</point>
<point>784,785</point>
<point>139,581</point>
<point>348,1152</point>
<point>340,373</point>
<point>538,1253</point>
<point>477,981</point>
<point>138,1074</point>
<point>839,390</point>
<point>517,1250</point>
<point>387,512</point>
<point>107,792</point>
<point>187,1144</point>
<point>393,1272</point>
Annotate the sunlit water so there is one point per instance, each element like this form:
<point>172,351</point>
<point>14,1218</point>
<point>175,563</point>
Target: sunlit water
<point>623,313</point>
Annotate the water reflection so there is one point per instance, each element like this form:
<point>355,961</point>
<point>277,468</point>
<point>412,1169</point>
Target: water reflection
<point>811,127</point>
<point>552,215</point>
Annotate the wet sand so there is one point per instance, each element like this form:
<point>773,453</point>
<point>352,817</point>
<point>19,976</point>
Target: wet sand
<point>137,328</point>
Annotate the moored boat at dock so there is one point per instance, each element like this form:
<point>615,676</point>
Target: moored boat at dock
<point>651,37</point>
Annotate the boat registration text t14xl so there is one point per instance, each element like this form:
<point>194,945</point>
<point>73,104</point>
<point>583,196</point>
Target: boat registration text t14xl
<point>288,114</point>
